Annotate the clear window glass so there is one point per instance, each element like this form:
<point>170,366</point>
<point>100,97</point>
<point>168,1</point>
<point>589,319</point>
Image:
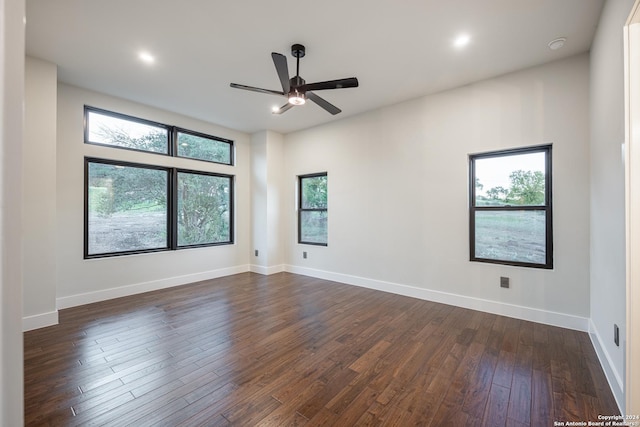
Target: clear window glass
<point>313,227</point>
<point>204,209</point>
<point>203,147</point>
<point>517,236</point>
<point>511,180</point>
<point>314,192</point>
<point>126,208</point>
<point>123,132</point>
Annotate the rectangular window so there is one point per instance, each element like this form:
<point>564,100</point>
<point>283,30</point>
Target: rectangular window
<point>117,130</point>
<point>126,208</point>
<point>198,146</point>
<point>510,207</point>
<point>121,131</point>
<point>129,208</point>
<point>312,209</point>
<point>204,213</point>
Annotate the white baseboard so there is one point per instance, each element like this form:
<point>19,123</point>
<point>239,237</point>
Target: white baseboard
<point>138,288</point>
<point>613,376</point>
<point>266,270</point>
<point>38,321</point>
<point>516,311</point>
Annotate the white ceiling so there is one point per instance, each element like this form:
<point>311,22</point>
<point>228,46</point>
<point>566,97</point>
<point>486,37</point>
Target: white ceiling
<point>398,50</point>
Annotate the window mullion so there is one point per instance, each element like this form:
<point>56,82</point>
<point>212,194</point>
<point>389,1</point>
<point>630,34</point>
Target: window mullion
<point>172,141</point>
<point>172,194</point>
<point>511,208</point>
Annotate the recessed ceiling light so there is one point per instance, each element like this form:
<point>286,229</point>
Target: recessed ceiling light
<point>462,40</point>
<point>557,43</point>
<point>146,57</point>
<point>275,108</point>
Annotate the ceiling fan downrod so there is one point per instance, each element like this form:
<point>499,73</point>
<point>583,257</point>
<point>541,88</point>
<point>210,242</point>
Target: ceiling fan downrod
<point>298,51</point>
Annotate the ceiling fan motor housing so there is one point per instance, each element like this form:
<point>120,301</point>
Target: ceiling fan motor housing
<point>297,50</point>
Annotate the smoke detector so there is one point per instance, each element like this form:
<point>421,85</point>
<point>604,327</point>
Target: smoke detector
<point>557,43</point>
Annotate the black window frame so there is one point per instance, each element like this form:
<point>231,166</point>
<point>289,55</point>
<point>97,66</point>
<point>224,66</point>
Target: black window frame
<point>301,209</point>
<point>172,136</point>
<point>547,207</point>
<point>174,194</point>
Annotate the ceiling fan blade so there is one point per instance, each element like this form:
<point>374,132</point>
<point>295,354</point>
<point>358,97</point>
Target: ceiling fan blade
<point>284,108</point>
<point>323,103</point>
<point>331,84</point>
<point>256,89</point>
<point>280,61</point>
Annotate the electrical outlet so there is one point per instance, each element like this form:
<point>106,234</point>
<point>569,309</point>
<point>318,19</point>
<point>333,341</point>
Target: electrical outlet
<point>256,252</point>
<point>504,282</point>
<point>304,254</point>
<point>616,335</point>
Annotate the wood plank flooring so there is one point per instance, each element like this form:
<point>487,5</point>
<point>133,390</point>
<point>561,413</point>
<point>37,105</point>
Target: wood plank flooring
<point>289,350</point>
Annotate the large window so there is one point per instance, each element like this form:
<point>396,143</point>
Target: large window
<point>312,209</point>
<point>129,208</point>
<point>136,208</point>
<point>117,130</point>
<point>510,207</point>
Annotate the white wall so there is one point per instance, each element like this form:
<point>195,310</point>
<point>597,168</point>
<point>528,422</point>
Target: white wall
<point>398,193</point>
<point>12,14</point>
<point>266,202</point>
<point>608,291</point>
<point>81,281</point>
<point>259,238</point>
<point>39,194</point>
<point>275,187</point>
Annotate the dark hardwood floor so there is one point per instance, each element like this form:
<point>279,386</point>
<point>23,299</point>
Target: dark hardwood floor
<point>292,350</point>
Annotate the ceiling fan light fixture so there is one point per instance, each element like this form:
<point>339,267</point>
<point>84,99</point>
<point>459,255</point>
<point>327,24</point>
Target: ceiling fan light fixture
<point>296,98</point>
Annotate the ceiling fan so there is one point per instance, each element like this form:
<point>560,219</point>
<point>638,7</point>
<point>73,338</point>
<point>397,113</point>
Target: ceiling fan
<point>295,88</point>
